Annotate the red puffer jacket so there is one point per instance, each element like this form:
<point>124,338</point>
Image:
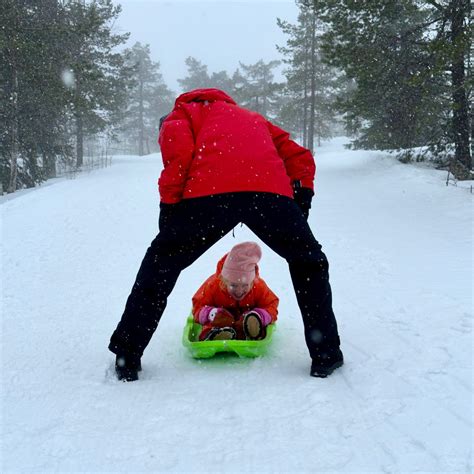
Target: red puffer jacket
<point>210,145</point>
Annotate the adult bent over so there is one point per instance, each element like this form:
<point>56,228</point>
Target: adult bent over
<point>225,165</point>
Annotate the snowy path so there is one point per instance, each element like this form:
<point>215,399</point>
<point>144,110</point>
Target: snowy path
<point>400,247</point>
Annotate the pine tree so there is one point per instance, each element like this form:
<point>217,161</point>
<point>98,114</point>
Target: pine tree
<point>221,80</point>
<point>32,100</point>
<point>197,78</point>
<point>451,47</point>
<point>12,45</point>
<point>57,64</point>
<point>240,85</point>
<point>311,84</point>
<point>149,99</point>
<point>260,93</point>
<point>100,84</point>
<point>377,46</point>
<point>407,59</point>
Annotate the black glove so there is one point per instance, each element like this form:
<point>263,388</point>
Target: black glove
<point>162,119</point>
<point>303,198</point>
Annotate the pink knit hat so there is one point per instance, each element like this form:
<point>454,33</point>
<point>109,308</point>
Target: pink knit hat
<point>241,262</point>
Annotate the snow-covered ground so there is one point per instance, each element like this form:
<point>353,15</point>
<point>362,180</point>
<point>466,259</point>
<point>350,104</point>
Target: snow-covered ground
<point>399,244</point>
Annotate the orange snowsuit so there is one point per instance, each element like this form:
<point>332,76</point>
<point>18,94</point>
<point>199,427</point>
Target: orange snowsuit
<point>214,293</point>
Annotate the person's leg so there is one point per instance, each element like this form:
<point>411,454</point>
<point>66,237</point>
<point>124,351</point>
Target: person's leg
<point>278,222</point>
<point>239,328</point>
<point>187,230</point>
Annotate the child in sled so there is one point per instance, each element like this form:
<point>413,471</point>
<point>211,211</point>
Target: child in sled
<point>235,303</point>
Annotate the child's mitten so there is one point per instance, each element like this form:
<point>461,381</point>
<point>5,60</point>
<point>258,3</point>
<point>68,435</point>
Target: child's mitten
<point>262,314</point>
<point>218,317</point>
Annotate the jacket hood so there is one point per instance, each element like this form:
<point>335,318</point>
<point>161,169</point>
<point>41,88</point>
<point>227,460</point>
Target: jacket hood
<point>220,264</point>
<point>200,95</point>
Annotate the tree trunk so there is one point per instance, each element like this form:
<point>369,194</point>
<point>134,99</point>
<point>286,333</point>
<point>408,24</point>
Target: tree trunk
<point>79,140</point>
<point>305,97</point>
<point>141,134</point>
<point>49,165</point>
<point>459,11</point>
<point>320,119</point>
<point>14,117</point>
<point>264,93</point>
<point>14,136</point>
<point>313,83</point>
<point>79,123</point>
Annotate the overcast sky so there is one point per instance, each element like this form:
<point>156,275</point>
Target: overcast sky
<point>218,33</point>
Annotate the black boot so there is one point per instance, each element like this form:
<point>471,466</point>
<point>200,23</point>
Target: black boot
<point>253,327</point>
<point>326,363</point>
<point>127,367</point>
<point>220,334</point>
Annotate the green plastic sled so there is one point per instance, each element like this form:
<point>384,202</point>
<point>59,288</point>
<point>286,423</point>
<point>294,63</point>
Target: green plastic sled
<point>207,349</point>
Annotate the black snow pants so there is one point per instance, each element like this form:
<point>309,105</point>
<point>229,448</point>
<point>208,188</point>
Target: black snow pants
<point>189,228</point>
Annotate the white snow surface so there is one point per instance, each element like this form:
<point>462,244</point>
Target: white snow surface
<point>399,244</point>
